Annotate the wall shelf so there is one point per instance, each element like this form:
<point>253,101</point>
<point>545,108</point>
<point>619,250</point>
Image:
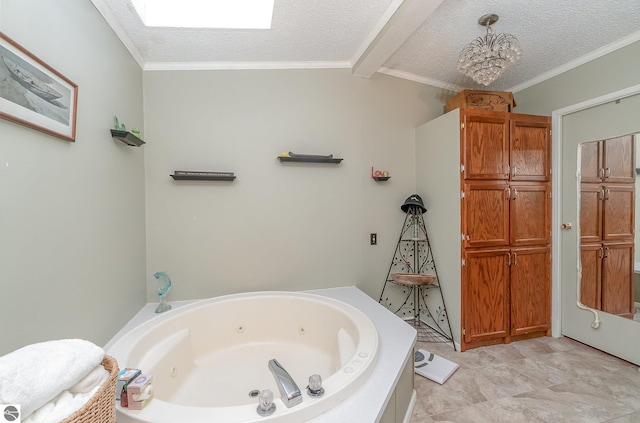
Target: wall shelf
<point>126,137</point>
<point>307,158</point>
<point>379,176</point>
<point>185,175</point>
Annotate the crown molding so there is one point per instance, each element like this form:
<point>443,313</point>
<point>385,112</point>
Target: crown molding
<point>421,79</point>
<point>609,48</point>
<point>165,66</point>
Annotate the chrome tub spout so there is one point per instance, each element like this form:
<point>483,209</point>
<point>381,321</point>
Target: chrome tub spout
<point>289,392</point>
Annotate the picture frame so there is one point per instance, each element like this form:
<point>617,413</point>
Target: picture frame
<point>34,94</point>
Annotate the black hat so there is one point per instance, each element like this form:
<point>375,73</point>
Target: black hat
<point>412,201</point>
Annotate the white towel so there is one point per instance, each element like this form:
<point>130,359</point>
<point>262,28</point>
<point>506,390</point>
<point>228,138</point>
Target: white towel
<point>36,374</point>
<point>68,402</point>
<point>94,379</point>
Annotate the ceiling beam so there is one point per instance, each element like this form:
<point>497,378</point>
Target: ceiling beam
<point>402,19</point>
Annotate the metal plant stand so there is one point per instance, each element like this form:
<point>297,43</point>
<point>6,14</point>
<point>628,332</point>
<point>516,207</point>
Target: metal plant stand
<point>412,289</point>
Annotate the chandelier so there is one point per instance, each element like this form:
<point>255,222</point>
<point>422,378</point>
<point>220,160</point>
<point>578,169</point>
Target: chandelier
<point>485,58</point>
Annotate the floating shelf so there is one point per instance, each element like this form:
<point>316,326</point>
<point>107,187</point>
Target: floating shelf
<point>379,176</point>
<point>185,175</point>
<point>309,159</point>
<point>126,137</point>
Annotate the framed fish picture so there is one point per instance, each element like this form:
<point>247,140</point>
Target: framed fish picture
<point>34,94</point>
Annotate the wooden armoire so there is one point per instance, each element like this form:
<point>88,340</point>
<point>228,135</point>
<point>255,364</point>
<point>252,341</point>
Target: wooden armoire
<point>607,222</point>
<point>485,177</point>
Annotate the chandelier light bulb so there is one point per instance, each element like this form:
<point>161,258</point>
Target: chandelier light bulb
<point>485,58</point>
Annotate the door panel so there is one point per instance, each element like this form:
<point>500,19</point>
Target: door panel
<point>530,214</point>
<point>619,160</point>
<point>485,145</point>
<point>486,292</point>
<point>530,286</point>
<point>618,212</point>
<point>485,216</point>
<point>617,279</point>
<point>591,196</point>
<point>530,138</point>
<point>591,162</point>
<point>590,285</point>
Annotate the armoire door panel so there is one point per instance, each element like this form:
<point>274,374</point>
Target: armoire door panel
<point>530,152</point>
<point>591,162</point>
<point>617,279</point>
<point>618,212</point>
<point>619,160</point>
<point>486,294</point>
<point>530,283</point>
<point>485,145</point>
<point>485,217</point>
<point>591,196</point>
<point>530,214</point>
<point>591,269</point>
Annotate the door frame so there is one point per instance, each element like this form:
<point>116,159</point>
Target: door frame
<point>556,187</point>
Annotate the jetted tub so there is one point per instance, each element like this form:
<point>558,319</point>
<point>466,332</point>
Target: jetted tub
<point>209,358</point>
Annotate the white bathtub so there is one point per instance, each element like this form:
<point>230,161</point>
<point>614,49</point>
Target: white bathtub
<point>208,356</point>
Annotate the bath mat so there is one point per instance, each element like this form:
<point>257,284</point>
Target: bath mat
<point>432,366</point>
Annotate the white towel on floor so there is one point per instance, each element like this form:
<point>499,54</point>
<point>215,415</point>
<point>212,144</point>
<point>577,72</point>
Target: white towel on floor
<point>36,374</point>
<point>68,402</point>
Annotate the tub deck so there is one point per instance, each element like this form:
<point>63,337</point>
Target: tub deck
<point>396,342</point>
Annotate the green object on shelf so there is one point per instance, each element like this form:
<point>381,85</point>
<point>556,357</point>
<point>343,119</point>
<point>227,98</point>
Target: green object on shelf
<point>118,125</point>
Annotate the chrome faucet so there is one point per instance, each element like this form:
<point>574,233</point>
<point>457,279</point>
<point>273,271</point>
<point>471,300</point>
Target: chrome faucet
<point>289,392</point>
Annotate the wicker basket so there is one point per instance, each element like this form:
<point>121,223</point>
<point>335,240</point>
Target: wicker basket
<point>101,407</point>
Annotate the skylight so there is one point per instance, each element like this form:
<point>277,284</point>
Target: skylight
<point>228,14</point>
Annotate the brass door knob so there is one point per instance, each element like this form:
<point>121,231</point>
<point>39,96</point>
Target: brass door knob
<point>566,226</point>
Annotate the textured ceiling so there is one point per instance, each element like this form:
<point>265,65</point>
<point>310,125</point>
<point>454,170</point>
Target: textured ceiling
<point>414,39</point>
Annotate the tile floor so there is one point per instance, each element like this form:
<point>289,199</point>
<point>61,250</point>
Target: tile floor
<point>547,380</point>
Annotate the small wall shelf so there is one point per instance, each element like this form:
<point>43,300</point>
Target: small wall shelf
<point>308,158</point>
<point>186,175</point>
<point>126,137</point>
<point>379,176</point>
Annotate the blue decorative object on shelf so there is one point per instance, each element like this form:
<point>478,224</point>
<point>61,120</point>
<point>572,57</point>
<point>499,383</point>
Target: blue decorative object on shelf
<point>164,286</point>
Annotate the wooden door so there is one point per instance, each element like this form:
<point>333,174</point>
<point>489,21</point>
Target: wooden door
<point>591,196</point>
<point>485,294</point>
<point>619,160</point>
<point>485,144</point>
<point>591,162</point>
<point>485,214</point>
<point>530,290</point>
<point>617,279</point>
<point>530,152</point>
<point>530,214</point>
<point>590,282</point>
<point>618,212</point>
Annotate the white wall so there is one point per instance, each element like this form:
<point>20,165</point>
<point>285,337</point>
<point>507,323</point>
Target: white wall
<point>607,74</point>
<point>72,228</point>
<point>277,226</point>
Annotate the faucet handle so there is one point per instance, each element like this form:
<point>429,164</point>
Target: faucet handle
<point>266,407</point>
<point>315,388</point>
